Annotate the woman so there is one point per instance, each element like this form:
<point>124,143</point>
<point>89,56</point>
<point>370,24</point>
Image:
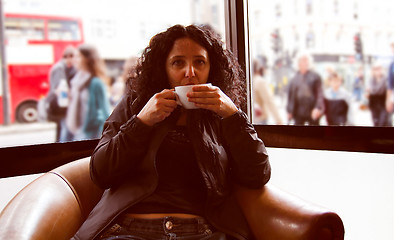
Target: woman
<point>89,105</point>
<point>170,172</point>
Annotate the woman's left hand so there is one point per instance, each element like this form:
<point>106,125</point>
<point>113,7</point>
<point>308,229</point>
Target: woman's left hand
<point>212,98</point>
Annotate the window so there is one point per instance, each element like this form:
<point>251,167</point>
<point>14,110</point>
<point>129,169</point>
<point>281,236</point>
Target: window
<point>125,30</point>
<point>347,71</point>
<point>63,30</point>
<point>38,32</point>
<point>24,29</point>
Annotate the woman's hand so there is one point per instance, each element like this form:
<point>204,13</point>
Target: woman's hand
<point>158,108</point>
<point>212,98</point>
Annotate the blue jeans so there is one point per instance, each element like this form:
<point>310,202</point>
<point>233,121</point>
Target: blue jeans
<point>168,228</point>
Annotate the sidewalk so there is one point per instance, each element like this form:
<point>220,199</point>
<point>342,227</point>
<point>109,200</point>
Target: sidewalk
<point>26,127</point>
<point>19,134</point>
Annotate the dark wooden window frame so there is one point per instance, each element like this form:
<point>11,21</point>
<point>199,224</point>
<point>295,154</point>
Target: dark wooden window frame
<point>338,138</point>
<point>22,160</point>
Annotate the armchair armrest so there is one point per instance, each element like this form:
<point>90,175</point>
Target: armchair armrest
<point>53,206</point>
<point>36,209</point>
<point>273,214</point>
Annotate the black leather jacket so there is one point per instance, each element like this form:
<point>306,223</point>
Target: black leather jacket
<point>228,152</point>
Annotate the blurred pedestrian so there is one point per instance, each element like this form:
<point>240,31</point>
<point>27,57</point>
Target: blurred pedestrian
<point>390,85</point>
<point>118,86</point>
<point>89,104</point>
<point>338,102</point>
<point>305,103</point>
<point>376,94</point>
<point>358,84</point>
<point>60,76</point>
<point>263,96</point>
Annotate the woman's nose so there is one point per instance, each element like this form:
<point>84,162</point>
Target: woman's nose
<point>189,71</point>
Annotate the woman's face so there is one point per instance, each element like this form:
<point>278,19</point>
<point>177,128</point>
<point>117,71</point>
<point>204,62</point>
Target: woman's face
<point>187,63</point>
<point>79,61</point>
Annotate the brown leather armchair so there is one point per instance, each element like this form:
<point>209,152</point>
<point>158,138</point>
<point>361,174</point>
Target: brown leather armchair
<point>56,204</point>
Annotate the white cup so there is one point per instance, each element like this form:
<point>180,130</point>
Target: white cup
<point>181,92</point>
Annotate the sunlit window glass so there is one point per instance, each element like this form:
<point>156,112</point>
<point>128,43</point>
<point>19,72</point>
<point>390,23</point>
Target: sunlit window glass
<point>322,62</point>
<point>100,38</point>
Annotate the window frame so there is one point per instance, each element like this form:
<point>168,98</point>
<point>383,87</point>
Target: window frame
<point>22,160</point>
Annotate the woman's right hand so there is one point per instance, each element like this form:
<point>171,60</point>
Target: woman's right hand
<point>158,108</point>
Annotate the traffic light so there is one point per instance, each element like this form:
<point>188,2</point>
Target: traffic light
<point>276,41</point>
<point>358,44</point>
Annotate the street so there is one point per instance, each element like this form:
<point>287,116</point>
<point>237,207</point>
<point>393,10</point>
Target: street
<point>27,134</point>
<point>360,117</point>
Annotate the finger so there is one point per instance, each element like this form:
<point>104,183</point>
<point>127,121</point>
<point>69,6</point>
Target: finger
<point>166,98</point>
<point>205,94</point>
<point>170,106</point>
<point>203,88</point>
<point>167,93</point>
<point>205,100</point>
<point>170,103</point>
<point>211,107</point>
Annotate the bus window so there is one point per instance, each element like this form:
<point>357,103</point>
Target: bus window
<point>17,29</point>
<point>63,30</point>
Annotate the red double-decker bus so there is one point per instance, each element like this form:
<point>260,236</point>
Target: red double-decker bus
<point>33,43</point>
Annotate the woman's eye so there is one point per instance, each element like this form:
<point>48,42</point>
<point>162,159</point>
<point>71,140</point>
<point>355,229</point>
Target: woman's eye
<point>200,62</point>
<point>177,63</point>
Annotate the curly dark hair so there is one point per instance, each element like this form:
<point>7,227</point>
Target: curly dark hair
<point>151,77</point>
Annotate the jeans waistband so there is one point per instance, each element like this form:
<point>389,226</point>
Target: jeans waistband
<point>165,225</point>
